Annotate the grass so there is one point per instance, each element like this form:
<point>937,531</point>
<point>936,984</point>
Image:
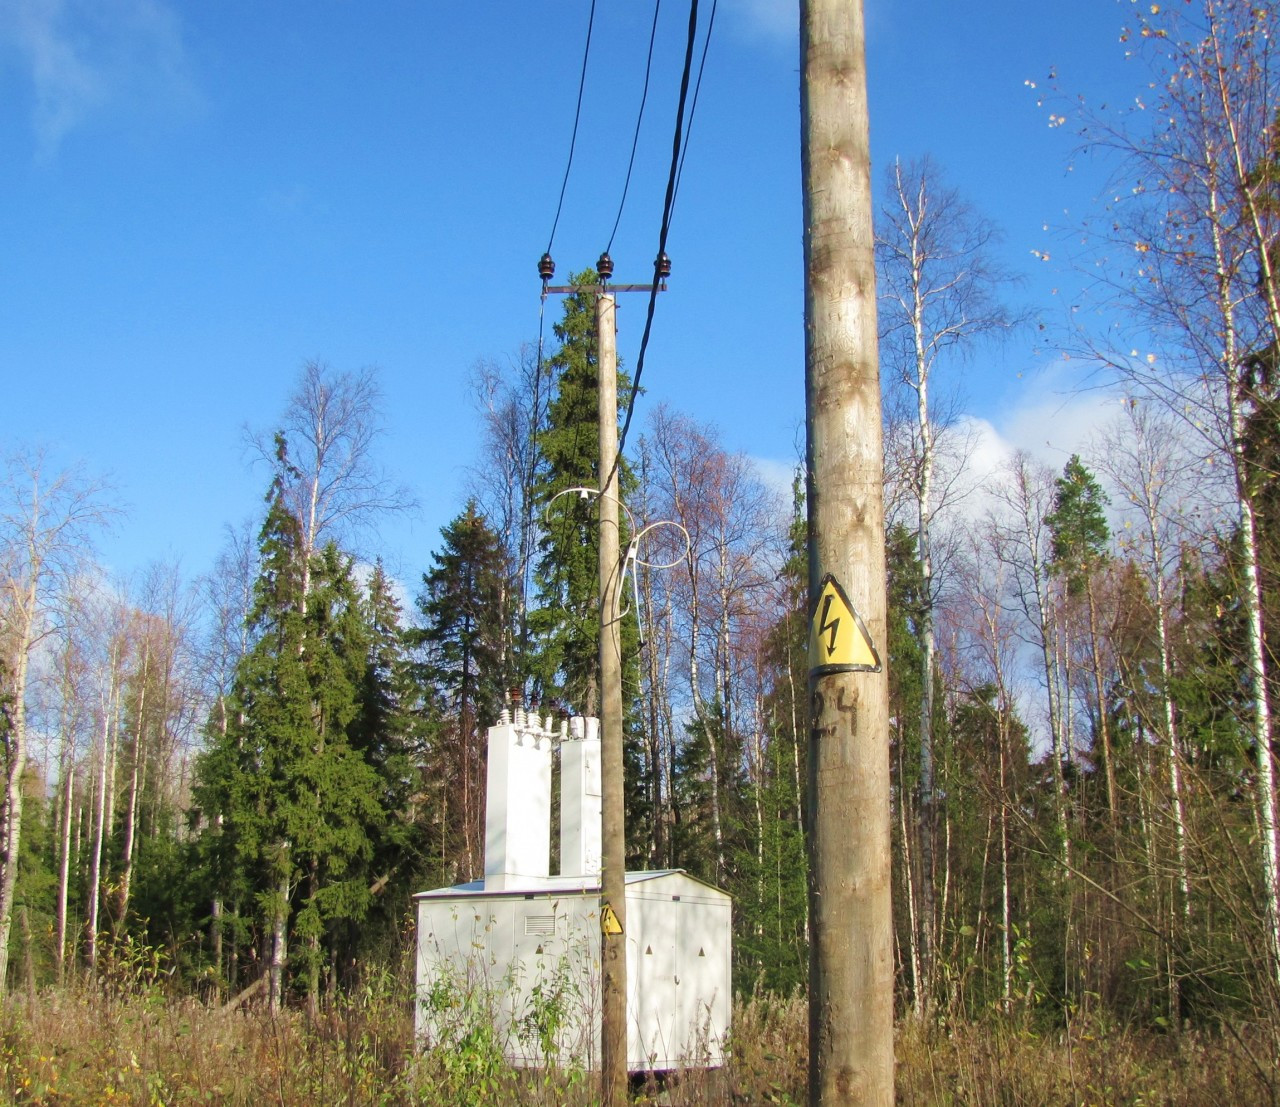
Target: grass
<point>135,1045</point>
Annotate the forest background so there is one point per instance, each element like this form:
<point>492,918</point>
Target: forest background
<point>247,773</point>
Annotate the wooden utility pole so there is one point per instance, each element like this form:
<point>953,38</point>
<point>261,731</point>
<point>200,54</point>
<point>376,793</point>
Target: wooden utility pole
<point>613,890</point>
<point>613,846</point>
<point>851,969</point>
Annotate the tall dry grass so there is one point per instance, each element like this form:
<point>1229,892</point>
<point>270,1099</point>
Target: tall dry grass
<point>124,1041</point>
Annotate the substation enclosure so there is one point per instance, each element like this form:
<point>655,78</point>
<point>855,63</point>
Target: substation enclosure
<point>519,951</point>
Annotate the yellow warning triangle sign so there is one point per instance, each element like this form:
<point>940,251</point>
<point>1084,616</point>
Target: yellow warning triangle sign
<point>609,923</point>
<point>838,639</point>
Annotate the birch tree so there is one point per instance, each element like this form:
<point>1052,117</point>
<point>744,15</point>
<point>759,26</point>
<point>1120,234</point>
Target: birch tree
<point>322,458</point>
<point>939,297</point>
<point>48,520</point>
<point>513,403</point>
<point>1193,229</point>
<point>326,485</point>
<point>1144,457</point>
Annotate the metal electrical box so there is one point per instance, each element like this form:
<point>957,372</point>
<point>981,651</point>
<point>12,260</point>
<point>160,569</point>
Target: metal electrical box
<point>520,950</point>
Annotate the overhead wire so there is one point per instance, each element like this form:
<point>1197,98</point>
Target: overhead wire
<point>697,88</point>
<point>677,150</point>
<point>577,115</point>
<point>635,138</point>
<point>564,184</point>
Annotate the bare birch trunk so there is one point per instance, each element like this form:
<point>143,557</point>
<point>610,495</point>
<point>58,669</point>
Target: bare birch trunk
<point>101,809</point>
<point>1104,726</point>
<point>279,953</point>
<point>131,806</point>
<point>1269,836</point>
<point>700,713</point>
<point>1006,918</point>
<point>16,768</point>
<point>64,872</point>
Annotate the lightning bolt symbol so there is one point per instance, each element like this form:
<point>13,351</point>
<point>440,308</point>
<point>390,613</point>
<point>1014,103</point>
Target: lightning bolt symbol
<point>832,626</point>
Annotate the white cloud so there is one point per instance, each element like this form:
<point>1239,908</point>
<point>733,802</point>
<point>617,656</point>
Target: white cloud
<point>1047,423</point>
<point>1054,426</point>
<point>87,57</point>
<point>778,20</point>
<point>775,475</point>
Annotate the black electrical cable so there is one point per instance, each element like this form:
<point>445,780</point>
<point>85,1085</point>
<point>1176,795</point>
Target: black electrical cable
<point>577,114</point>
<point>568,165</point>
<point>697,88</point>
<point>677,147</point>
<point>635,139</point>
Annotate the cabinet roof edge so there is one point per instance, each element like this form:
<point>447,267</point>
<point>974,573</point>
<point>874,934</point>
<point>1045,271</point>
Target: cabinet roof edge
<point>557,886</point>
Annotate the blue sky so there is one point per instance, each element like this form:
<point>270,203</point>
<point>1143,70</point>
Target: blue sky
<point>199,197</point>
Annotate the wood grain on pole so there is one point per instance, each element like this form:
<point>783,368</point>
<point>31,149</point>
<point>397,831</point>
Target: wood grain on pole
<point>851,971</point>
<point>613,1086</point>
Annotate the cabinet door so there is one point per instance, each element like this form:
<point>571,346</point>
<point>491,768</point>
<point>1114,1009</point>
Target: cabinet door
<point>651,973</point>
<point>702,993</point>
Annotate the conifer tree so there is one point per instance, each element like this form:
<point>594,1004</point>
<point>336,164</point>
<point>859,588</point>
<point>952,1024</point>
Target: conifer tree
<point>464,605</point>
<point>565,621</point>
<point>1079,536</point>
<point>385,729</point>
<point>1078,524</point>
<point>283,786</point>
<point>773,937</point>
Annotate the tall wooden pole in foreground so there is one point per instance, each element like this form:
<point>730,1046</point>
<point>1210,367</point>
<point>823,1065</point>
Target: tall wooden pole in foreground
<point>850,973</point>
<point>613,894</point>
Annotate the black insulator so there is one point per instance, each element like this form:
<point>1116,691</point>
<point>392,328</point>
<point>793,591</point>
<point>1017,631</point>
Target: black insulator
<point>662,266</point>
<point>546,268</point>
<point>605,266</point>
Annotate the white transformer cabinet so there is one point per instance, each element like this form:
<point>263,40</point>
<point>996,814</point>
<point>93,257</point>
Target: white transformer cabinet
<point>520,950</point>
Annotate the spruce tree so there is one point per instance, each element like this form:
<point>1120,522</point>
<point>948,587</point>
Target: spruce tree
<point>384,728</point>
<point>387,734</point>
<point>565,621</point>
<point>1078,524</point>
<point>283,788</point>
<point>1080,534</point>
<point>338,814</point>
<point>464,606</point>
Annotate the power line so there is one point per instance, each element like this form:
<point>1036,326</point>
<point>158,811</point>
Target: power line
<point>573,141</point>
<point>635,139</point>
<point>697,88</point>
<point>677,147</point>
<point>577,114</point>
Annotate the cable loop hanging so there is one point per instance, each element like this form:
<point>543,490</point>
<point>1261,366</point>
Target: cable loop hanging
<point>634,550</point>
<point>633,559</point>
<point>585,493</point>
